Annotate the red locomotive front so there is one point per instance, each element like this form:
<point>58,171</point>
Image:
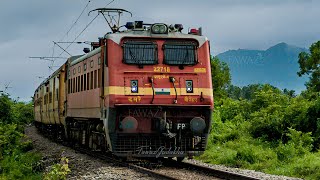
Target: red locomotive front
<point>159,92</point>
<point>142,92</point>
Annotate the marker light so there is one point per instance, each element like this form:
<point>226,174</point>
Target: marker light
<point>134,86</point>
<point>189,86</point>
<point>194,31</point>
<point>159,28</point>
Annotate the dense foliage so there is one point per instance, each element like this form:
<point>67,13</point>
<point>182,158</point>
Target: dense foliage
<point>16,159</point>
<point>263,128</point>
<point>220,76</point>
<point>310,64</point>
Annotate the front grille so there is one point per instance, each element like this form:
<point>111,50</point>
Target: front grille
<point>124,143</point>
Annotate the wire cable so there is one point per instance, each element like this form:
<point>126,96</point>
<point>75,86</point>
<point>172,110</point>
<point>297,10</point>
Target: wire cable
<point>79,34</point>
<point>72,26</point>
<point>75,21</point>
<point>109,3</point>
<point>84,29</point>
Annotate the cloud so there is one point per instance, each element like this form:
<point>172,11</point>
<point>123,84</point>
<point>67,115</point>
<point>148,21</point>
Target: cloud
<point>29,27</point>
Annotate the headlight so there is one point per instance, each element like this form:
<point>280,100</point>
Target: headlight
<point>159,29</point>
<point>197,125</point>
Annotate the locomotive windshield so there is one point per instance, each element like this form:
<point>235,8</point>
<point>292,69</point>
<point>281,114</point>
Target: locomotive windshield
<point>140,53</point>
<point>180,53</point>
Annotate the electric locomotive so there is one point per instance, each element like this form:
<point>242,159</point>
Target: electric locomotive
<point>145,91</point>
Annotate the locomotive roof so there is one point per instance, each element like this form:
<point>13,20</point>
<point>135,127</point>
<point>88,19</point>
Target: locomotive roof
<point>116,37</point>
<point>85,56</point>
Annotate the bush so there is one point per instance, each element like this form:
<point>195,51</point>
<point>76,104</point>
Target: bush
<point>268,123</point>
<point>20,165</point>
<point>271,132</point>
<point>16,160</point>
<point>10,139</point>
<point>58,171</point>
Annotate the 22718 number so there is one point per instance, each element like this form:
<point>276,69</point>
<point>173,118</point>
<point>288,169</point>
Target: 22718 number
<point>161,69</point>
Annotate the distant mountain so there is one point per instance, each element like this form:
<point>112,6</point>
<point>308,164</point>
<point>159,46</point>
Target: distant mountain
<point>277,66</point>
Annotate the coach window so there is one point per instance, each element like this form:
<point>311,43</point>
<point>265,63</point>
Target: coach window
<point>79,69</point>
<point>78,83</point>
<point>95,79</point>
<point>99,60</point>
<point>73,85</point>
<point>91,80</point>
<point>99,78</point>
<point>68,86</point>
<point>84,82</point>
<point>84,67</point>
<point>91,64</point>
<point>69,73</point>
<point>70,80</point>
<point>74,71</point>
<point>50,97</point>
<point>88,81</point>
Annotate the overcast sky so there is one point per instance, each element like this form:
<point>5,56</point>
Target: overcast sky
<point>29,27</point>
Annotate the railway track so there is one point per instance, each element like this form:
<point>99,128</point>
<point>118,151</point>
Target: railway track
<point>131,164</point>
<point>164,169</point>
<point>159,170</point>
<point>86,164</point>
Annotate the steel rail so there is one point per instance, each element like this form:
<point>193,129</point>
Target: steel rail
<point>140,169</point>
<point>212,171</point>
<point>209,171</point>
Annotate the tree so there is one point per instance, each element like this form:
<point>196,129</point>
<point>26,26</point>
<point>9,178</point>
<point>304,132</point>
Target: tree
<point>234,92</point>
<point>5,109</point>
<point>220,76</point>
<point>310,65</point>
<point>288,92</point>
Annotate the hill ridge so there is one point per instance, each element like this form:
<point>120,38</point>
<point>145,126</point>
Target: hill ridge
<point>277,65</point>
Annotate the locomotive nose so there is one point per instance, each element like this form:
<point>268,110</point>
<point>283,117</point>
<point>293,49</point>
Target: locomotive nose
<point>197,125</point>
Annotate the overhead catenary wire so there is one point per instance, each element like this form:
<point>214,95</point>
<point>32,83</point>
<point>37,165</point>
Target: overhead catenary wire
<point>84,29</point>
<point>76,21</point>
<point>79,34</point>
<point>72,26</point>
